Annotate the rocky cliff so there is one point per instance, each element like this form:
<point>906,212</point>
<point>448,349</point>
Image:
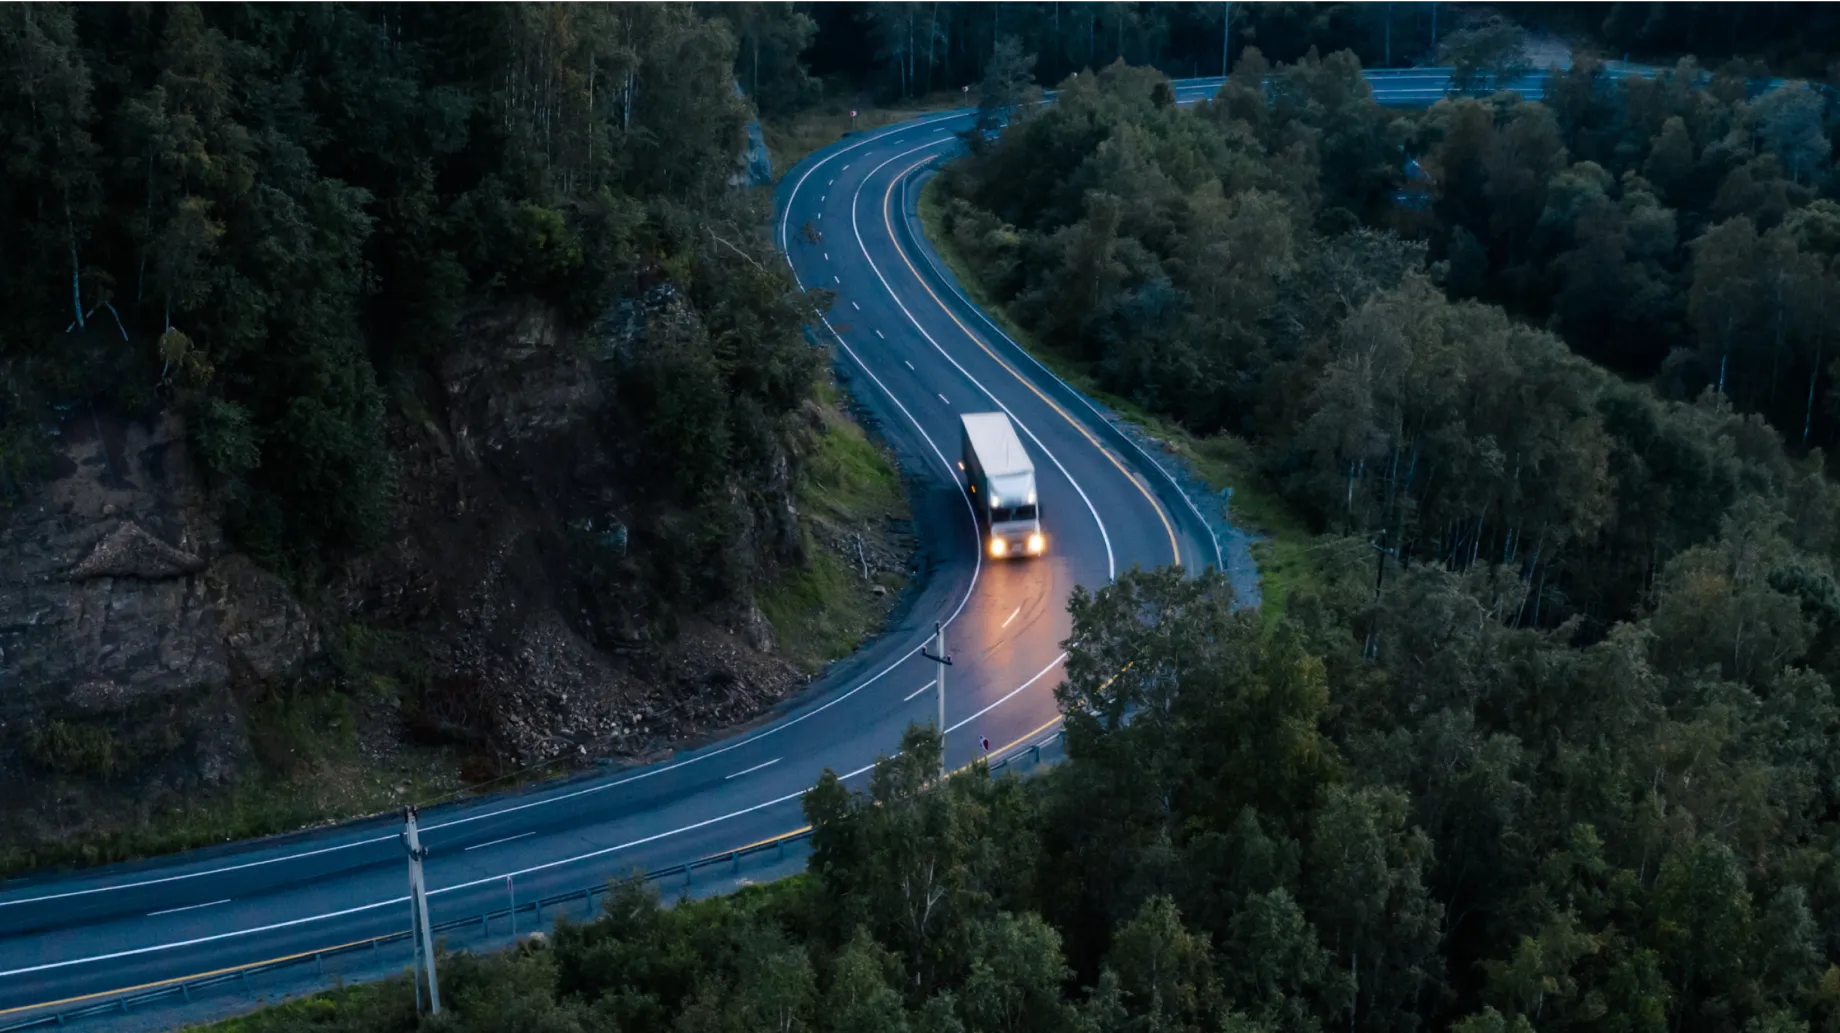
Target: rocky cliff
<point>140,651</point>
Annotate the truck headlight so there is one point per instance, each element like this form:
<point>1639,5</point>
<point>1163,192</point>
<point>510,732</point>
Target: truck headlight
<point>1036,542</point>
<point>998,547</point>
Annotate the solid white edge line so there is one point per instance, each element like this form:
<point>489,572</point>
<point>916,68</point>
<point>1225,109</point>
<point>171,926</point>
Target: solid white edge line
<point>495,842</point>
<point>753,769</point>
<point>998,702</point>
<point>1111,564</point>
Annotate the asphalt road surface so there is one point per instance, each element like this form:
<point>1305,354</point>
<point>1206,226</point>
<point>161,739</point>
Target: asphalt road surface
<point>917,355</point>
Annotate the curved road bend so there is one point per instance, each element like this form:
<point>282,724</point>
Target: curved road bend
<point>918,362</point>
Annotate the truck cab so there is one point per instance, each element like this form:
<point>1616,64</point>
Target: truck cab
<point>1000,480</point>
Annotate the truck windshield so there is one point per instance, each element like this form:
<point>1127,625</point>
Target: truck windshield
<point>1005,514</point>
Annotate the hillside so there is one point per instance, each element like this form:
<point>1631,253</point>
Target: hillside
<point>392,404</point>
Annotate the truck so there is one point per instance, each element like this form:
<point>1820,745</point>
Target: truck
<point>1001,482</point>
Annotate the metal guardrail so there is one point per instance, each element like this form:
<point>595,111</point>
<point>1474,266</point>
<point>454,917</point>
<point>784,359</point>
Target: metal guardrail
<point>238,979</point>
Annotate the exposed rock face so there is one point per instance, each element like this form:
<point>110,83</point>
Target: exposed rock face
<point>119,599</point>
<point>123,608</point>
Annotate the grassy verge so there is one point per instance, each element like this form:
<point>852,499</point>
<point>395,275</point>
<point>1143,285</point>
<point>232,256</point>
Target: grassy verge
<point>1286,552</point>
<point>792,137</point>
<point>848,487</point>
<point>262,803</point>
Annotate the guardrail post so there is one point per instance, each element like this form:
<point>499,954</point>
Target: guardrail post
<point>782,848</point>
<point>319,964</point>
<point>185,990</point>
<point>735,861</point>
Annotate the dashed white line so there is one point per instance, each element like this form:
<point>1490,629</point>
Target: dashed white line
<point>831,183</point>
<point>821,198</point>
<point>878,333</point>
<point>753,769</point>
<point>188,907</point>
<point>944,399</point>
<point>1011,617</point>
<point>836,279</point>
<point>495,842</point>
<point>827,256</point>
<point>856,306</point>
<point>921,689</point>
<point>846,168</point>
<point>910,365</point>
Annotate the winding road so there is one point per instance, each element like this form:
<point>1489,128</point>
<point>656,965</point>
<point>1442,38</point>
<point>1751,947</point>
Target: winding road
<point>917,353</point>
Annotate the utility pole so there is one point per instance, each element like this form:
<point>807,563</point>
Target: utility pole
<point>944,660</point>
<point>421,934</point>
<point>1388,59</point>
<point>1226,36</point>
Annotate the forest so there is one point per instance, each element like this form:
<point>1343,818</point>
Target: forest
<point>1545,742</point>
<point>271,218</point>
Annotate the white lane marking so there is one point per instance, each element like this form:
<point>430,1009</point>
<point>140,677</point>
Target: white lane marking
<point>856,306</point>
<point>495,842</point>
<point>753,769</point>
<point>188,907</point>
<point>785,215</point>
<point>830,182</point>
<point>836,279</point>
<point>878,333</point>
<point>394,901</point>
<point>1011,617</point>
<point>1006,698</point>
<point>944,399</point>
<point>827,256</point>
<point>846,168</point>
<point>910,365</point>
<point>1111,564</point>
<point>921,689</point>
<point>822,197</point>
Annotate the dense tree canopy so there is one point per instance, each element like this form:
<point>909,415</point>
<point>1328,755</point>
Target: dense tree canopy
<point>272,218</point>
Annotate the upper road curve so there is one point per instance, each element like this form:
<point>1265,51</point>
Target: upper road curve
<point>919,354</point>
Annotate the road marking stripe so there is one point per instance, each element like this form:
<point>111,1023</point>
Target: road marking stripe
<point>856,306</point>
<point>921,689</point>
<point>827,256</point>
<point>495,842</point>
<point>188,907</point>
<point>836,279</point>
<point>878,333</point>
<point>944,399</point>
<point>910,365</point>
<point>753,769</point>
<point>1011,617</point>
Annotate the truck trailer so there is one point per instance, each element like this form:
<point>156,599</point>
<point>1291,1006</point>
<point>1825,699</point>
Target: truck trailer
<point>1001,481</point>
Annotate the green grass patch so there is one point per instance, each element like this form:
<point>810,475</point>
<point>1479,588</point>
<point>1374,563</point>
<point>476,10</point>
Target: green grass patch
<point>847,487</point>
<point>1287,555</point>
<point>847,476</point>
<point>816,610</point>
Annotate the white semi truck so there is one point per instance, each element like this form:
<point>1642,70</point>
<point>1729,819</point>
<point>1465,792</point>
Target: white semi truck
<point>1002,484</point>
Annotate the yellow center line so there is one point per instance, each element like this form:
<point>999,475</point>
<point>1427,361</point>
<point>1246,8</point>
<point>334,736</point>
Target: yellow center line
<point>888,223</point>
